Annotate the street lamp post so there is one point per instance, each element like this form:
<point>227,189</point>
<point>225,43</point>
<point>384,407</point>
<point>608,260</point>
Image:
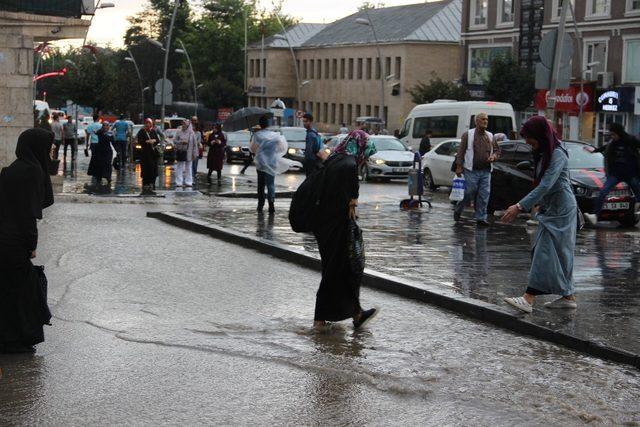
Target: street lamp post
<point>98,6</point>
<point>367,21</point>
<point>184,52</point>
<point>285,37</point>
<point>131,59</point>
<point>167,48</point>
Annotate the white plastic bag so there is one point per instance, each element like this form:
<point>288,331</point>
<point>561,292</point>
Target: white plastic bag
<point>457,189</point>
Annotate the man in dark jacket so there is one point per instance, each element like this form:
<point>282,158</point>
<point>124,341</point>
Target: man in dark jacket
<point>313,153</point>
<point>425,143</point>
<point>621,165</point>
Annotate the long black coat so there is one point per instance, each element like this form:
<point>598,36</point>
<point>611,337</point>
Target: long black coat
<point>100,165</point>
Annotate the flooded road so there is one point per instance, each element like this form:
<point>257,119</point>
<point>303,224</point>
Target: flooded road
<point>155,325</point>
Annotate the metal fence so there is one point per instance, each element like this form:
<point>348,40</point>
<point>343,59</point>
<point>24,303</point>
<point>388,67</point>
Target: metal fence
<point>64,8</point>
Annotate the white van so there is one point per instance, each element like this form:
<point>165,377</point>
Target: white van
<point>450,119</point>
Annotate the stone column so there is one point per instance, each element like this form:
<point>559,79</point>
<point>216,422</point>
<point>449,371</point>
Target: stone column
<point>16,90</point>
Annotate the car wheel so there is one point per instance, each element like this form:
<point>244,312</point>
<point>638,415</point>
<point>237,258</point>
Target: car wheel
<point>628,220</point>
<point>428,180</point>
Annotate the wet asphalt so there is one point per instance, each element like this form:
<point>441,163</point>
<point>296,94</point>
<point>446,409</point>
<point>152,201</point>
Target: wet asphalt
<point>154,325</point>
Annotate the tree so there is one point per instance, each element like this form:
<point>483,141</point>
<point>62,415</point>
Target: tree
<point>508,82</point>
<point>437,88</point>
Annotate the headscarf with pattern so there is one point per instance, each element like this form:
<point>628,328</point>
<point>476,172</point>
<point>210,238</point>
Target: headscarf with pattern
<point>357,144</point>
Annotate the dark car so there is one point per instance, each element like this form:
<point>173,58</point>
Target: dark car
<point>512,179</point>
<point>238,145</point>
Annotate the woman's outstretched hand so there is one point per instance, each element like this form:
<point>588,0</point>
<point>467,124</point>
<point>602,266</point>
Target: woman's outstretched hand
<point>352,209</point>
<point>511,214</point>
<point>33,254</point>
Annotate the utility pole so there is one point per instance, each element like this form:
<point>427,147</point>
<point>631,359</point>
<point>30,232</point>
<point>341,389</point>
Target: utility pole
<point>555,71</point>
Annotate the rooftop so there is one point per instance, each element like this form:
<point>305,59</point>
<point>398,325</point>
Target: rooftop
<point>297,35</point>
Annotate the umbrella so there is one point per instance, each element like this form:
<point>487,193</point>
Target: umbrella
<point>245,118</point>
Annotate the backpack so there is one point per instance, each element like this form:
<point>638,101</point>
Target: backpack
<point>319,143</point>
<point>304,211</point>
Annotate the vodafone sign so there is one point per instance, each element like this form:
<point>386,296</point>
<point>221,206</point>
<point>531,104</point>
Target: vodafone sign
<point>568,100</point>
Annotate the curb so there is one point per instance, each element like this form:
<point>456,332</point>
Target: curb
<point>450,300</point>
<point>254,195</point>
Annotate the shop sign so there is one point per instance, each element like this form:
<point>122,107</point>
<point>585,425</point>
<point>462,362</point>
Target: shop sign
<point>608,101</point>
<point>568,100</point>
<point>224,113</point>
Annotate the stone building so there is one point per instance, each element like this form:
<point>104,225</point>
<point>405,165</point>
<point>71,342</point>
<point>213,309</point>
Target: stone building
<point>608,41</point>
<point>20,29</point>
<point>339,69</point>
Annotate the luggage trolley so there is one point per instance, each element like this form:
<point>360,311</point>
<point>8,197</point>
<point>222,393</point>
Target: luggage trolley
<point>416,186</point>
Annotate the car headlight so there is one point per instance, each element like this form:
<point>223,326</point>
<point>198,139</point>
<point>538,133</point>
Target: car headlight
<point>169,147</point>
<point>291,151</point>
<point>138,147</point>
<point>379,161</point>
<point>581,191</point>
<point>235,149</point>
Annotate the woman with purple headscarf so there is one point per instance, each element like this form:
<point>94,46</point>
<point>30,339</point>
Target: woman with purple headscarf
<point>552,254</point>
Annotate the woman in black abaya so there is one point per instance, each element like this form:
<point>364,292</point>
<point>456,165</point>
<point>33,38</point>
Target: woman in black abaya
<point>25,190</point>
<point>338,297</point>
<point>148,138</point>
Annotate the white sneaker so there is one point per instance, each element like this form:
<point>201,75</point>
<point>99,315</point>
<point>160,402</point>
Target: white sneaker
<point>562,303</point>
<point>591,218</point>
<point>520,303</point>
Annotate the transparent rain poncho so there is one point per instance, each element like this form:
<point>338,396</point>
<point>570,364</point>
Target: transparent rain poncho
<point>271,147</point>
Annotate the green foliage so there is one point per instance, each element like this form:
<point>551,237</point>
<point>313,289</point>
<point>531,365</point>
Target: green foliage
<point>437,88</point>
<point>508,82</point>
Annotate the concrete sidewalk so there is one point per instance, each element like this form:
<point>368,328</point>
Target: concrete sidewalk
<point>482,264</point>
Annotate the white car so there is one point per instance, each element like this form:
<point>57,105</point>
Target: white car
<point>391,160</point>
<point>437,164</point>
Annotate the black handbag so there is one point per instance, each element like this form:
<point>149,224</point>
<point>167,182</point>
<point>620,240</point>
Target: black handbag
<point>355,248</point>
<point>181,155</point>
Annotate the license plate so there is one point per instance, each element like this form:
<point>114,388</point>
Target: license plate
<point>616,206</point>
<point>400,170</point>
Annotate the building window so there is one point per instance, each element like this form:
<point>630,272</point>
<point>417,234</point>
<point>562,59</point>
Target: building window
<point>595,53</point>
<point>359,68</point>
<point>342,70</point>
<point>633,7</point>
<point>349,119</point>
<point>398,69</point>
<point>358,110</point>
<point>387,66</point>
<point>376,111</point>
<point>258,68</point>
<point>378,71</point>
<point>350,68</point>
<point>368,68</point>
<point>326,69</point>
<point>480,59</point>
<point>334,70</point>
<point>368,110</point>
<point>325,112</point>
<point>556,10</point>
<point>478,13</point>
<point>333,113</point>
<point>304,68</point>
<point>598,8</point>
<point>341,114</point>
<point>505,11</point>
<point>631,66</point>
<point>319,73</point>
<point>251,61</point>
<point>312,68</point>
<point>317,112</point>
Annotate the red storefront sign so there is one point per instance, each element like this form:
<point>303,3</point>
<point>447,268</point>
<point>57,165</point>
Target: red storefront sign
<point>224,113</point>
<point>568,100</point>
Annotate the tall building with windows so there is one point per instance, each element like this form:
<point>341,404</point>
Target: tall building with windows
<point>606,56</point>
<point>340,70</point>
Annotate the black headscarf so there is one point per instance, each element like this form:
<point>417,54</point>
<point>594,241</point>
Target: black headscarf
<point>25,185</point>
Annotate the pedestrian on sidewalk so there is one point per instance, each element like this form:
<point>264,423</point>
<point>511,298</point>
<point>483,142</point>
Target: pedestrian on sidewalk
<point>91,132</point>
<point>621,165</point>
<point>268,147</point>
<point>338,297</point>
<point>197,131</point>
<point>70,133</point>
<point>25,190</point>
<point>217,143</point>
<point>148,138</point>
<point>475,156</point>
<point>425,143</point>
<point>122,131</point>
<point>56,128</point>
<point>313,148</point>
<point>551,270</point>
<point>186,153</point>
<point>100,165</point>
